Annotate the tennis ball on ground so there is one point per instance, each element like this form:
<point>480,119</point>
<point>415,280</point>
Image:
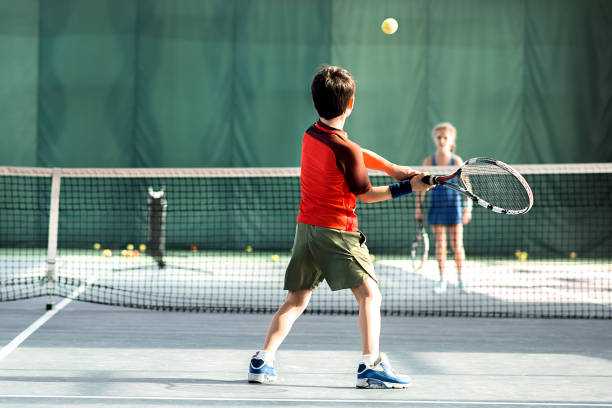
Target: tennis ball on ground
<point>517,254</point>
<point>193,248</point>
<point>107,253</point>
<point>372,257</point>
<point>129,247</point>
<point>142,247</point>
<point>389,26</point>
<point>523,257</point>
<point>96,246</point>
<point>124,253</point>
<point>274,258</point>
<point>249,249</point>
<point>573,255</point>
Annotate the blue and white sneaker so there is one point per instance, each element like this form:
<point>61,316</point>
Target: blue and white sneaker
<point>260,371</point>
<point>380,375</point>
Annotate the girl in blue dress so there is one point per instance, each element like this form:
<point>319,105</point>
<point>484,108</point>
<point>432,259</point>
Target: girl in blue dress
<point>446,211</point>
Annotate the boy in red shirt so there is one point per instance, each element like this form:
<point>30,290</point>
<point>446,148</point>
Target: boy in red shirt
<point>328,244</point>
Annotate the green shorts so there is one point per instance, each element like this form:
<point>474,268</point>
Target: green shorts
<point>339,257</point>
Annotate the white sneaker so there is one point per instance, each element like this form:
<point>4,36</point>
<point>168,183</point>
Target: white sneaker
<point>440,287</point>
<point>463,287</point>
<point>380,375</point>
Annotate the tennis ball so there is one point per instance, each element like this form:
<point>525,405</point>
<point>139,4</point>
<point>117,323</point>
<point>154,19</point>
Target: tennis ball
<point>523,257</point>
<point>129,247</point>
<point>573,255</point>
<point>517,253</point>
<point>124,253</point>
<point>389,26</point>
<point>193,248</point>
<point>96,246</point>
<point>249,249</point>
<point>142,247</point>
<point>274,258</point>
<point>372,257</point>
<point>107,253</point>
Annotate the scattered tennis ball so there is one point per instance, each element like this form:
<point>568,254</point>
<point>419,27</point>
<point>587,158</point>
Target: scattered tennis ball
<point>124,253</point>
<point>389,26</point>
<point>193,248</point>
<point>517,253</point>
<point>129,247</point>
<point>573,255</point>
<point>142,247</point>
<point>96,246</point>
<point>249,249</point>
<point>135,253</point>
<point>523,257</point>
<point>372,257</point>
<point>274,258</point>
<point>107,253</point>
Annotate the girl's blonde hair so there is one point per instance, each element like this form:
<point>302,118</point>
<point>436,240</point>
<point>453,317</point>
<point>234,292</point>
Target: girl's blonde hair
<point>445,126</point>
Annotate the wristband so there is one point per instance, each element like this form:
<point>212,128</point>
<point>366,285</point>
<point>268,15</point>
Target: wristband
<point>401,188</point>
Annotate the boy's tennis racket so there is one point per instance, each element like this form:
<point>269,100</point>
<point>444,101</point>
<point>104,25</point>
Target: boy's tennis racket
<point>420,247</point>
<point>491,184</point>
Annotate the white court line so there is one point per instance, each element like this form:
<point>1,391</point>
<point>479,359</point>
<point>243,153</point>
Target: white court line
<point>9,348</point>
<point>312,400</point>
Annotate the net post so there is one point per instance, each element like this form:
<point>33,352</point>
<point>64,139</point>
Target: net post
<point>156,239</point>
<point>52,239</point>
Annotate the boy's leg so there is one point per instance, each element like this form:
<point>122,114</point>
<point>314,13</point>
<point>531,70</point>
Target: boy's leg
<point>283,320</point>
<point>369,299</point>
<point>374,371</point>
<point>261,369</point>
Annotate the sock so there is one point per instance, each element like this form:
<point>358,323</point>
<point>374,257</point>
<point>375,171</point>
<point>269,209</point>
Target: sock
<point>369,359</point>
<point>267,356</point>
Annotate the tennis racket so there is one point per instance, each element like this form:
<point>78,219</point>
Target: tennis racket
<point>420,248</point>
<point>490,183</point>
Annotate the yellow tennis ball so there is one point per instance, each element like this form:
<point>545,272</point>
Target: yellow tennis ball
<point>129,247</point>
<point>372,257</point>
<point>573,255</point>
<point>124,253</point>
<point>274,258</point>
<point>142,247</point>
<point>523,257</point>
<point>389,26</point>
<point>249,249</point>
<point>96,246</point>
<point>107,253</point>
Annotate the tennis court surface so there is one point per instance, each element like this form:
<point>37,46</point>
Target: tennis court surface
<point>95,355</point>
<point>153,287</point>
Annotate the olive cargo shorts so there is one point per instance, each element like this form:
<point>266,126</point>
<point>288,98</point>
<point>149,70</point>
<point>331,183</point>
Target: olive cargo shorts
<point>339,257</point>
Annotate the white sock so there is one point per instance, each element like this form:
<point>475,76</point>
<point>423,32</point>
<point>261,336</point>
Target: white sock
<point>267,356</point>
<point>369,359</point>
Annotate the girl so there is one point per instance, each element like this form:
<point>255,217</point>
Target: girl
<point>446,210</point>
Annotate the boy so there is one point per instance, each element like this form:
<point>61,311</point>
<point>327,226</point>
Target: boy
<point>327,243</point>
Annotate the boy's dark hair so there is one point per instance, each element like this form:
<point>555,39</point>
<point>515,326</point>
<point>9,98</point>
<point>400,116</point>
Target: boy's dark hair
<point>332,88</point>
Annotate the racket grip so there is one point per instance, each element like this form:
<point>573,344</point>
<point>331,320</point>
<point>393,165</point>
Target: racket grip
<point>429,179</point>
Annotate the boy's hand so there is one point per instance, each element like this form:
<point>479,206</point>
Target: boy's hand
<point>401,172</point>
<point>417,182</point>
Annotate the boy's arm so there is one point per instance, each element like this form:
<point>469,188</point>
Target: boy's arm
<point>382,193</point>
<point>376,162</point>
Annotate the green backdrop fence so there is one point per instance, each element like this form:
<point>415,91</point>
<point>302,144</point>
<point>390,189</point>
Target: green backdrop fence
<point>208,83</point>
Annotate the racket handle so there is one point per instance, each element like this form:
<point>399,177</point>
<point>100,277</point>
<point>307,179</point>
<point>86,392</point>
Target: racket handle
<point>431,180</point>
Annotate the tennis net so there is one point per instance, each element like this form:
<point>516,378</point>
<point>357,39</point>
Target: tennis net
<point>220,239</point>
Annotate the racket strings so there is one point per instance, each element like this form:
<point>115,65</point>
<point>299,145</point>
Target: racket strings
<point>498,186</point>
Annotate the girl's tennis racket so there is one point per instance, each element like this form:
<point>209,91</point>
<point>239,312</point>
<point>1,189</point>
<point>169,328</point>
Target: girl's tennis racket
<point>420,248</point>
<point>490,183</point>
